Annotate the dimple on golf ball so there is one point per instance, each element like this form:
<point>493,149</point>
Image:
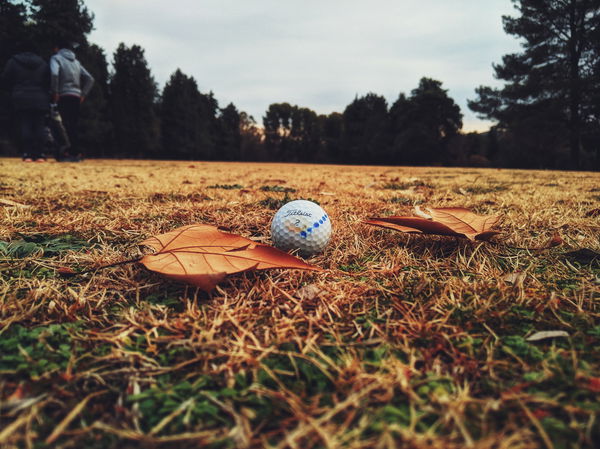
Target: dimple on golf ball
<point>301,225</point>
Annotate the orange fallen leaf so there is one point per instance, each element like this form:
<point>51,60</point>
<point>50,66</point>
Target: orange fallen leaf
<point>203,255</point>
<point>452,221</point>
<point>66,272</point>
<point>541,414</point>
<point>593,384</point>
<point>556,240</point>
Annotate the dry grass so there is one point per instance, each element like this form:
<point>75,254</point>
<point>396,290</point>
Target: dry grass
<point>402,340</point>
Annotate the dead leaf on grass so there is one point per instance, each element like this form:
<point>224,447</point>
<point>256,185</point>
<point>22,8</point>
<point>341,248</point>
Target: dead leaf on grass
<point>7,202</point>
<point>452,221</point>
<point>556,240</point>
<point>583,255</point>
<point>516,278</point>
<point>19,401</point>
<point>309,292</point>
<point>203,255</point>
<point>593,384</point>
<point>543,335</point>
<point>66,272</point>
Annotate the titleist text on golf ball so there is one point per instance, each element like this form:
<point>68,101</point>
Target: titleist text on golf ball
<point>301,225</point>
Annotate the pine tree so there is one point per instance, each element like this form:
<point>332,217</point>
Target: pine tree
<point>423,124</point>
<point>97,132</point>
<point>292,133</point>
<point>366,131</point>
<point>59,20</point>
<point>331,130</point>
<point>555,75</point>
<point>305,135</point>
<point>277,124</point>
<point>133,95</point>
<point>229,133</point>
<point>13,28</point>
<point>208,126</point>
<point>252,147</point>
<point>180,117</point>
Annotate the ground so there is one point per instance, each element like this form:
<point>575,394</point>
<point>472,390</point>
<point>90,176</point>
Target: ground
<point>412,340</point>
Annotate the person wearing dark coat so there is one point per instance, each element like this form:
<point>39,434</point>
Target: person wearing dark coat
<point>27,78</point>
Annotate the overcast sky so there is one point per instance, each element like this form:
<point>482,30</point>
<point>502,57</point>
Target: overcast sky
<point>318,54</point>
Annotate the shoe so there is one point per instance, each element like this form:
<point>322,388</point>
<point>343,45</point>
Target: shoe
<point>27,159</point>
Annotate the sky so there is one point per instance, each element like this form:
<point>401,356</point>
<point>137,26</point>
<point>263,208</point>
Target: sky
<point>319,54</point>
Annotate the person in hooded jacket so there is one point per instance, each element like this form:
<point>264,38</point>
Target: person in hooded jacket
<point>27,77</point>
<point>70,83</point>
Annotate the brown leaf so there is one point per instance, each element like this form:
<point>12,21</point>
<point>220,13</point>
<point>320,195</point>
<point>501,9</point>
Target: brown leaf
<point>454,221</point>
<point>66,272</point>
<point>203,255</point>
<point>594,384</point>
<point>584,255</point>
<point>556,240</point>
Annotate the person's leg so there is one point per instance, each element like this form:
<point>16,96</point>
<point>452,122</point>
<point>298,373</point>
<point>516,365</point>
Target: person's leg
<point>39,135</point>
<point>68,106</point>
<point>25,134</point>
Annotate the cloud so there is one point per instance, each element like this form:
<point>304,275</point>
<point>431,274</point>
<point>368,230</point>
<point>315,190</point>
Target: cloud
<point>317,54</point>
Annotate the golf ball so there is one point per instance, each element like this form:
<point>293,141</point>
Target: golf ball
<point>301,225</point>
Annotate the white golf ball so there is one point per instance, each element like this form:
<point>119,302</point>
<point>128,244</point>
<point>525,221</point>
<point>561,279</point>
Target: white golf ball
<point>301,225</point>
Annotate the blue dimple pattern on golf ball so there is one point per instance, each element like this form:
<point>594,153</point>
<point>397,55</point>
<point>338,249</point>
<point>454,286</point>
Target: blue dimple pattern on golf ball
<point>301,225</point>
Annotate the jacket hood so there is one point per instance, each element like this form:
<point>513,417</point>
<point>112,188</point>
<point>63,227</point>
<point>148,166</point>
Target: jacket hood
<point>29,60</point>
<point>66,53</point>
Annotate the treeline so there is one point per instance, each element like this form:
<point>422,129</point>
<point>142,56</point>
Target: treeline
<point>547,113</point>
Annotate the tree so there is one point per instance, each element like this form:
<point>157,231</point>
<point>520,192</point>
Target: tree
<point>292,133</point>
<point>277,123</point>
<point>180,117</point>
<point>366,132</point>
<point>97,132</point>
<point>133,95</point>
<point>423,124</point>
<point>251,139</point>
<point>57,20</point>
<point>305,135</point>
<point>229,138</point>
<point>557,70</point>
<point>13,28</point>
<point>331,130</point>
<point>209,126</point>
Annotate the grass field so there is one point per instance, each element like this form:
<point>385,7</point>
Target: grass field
<point>402,340</point>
